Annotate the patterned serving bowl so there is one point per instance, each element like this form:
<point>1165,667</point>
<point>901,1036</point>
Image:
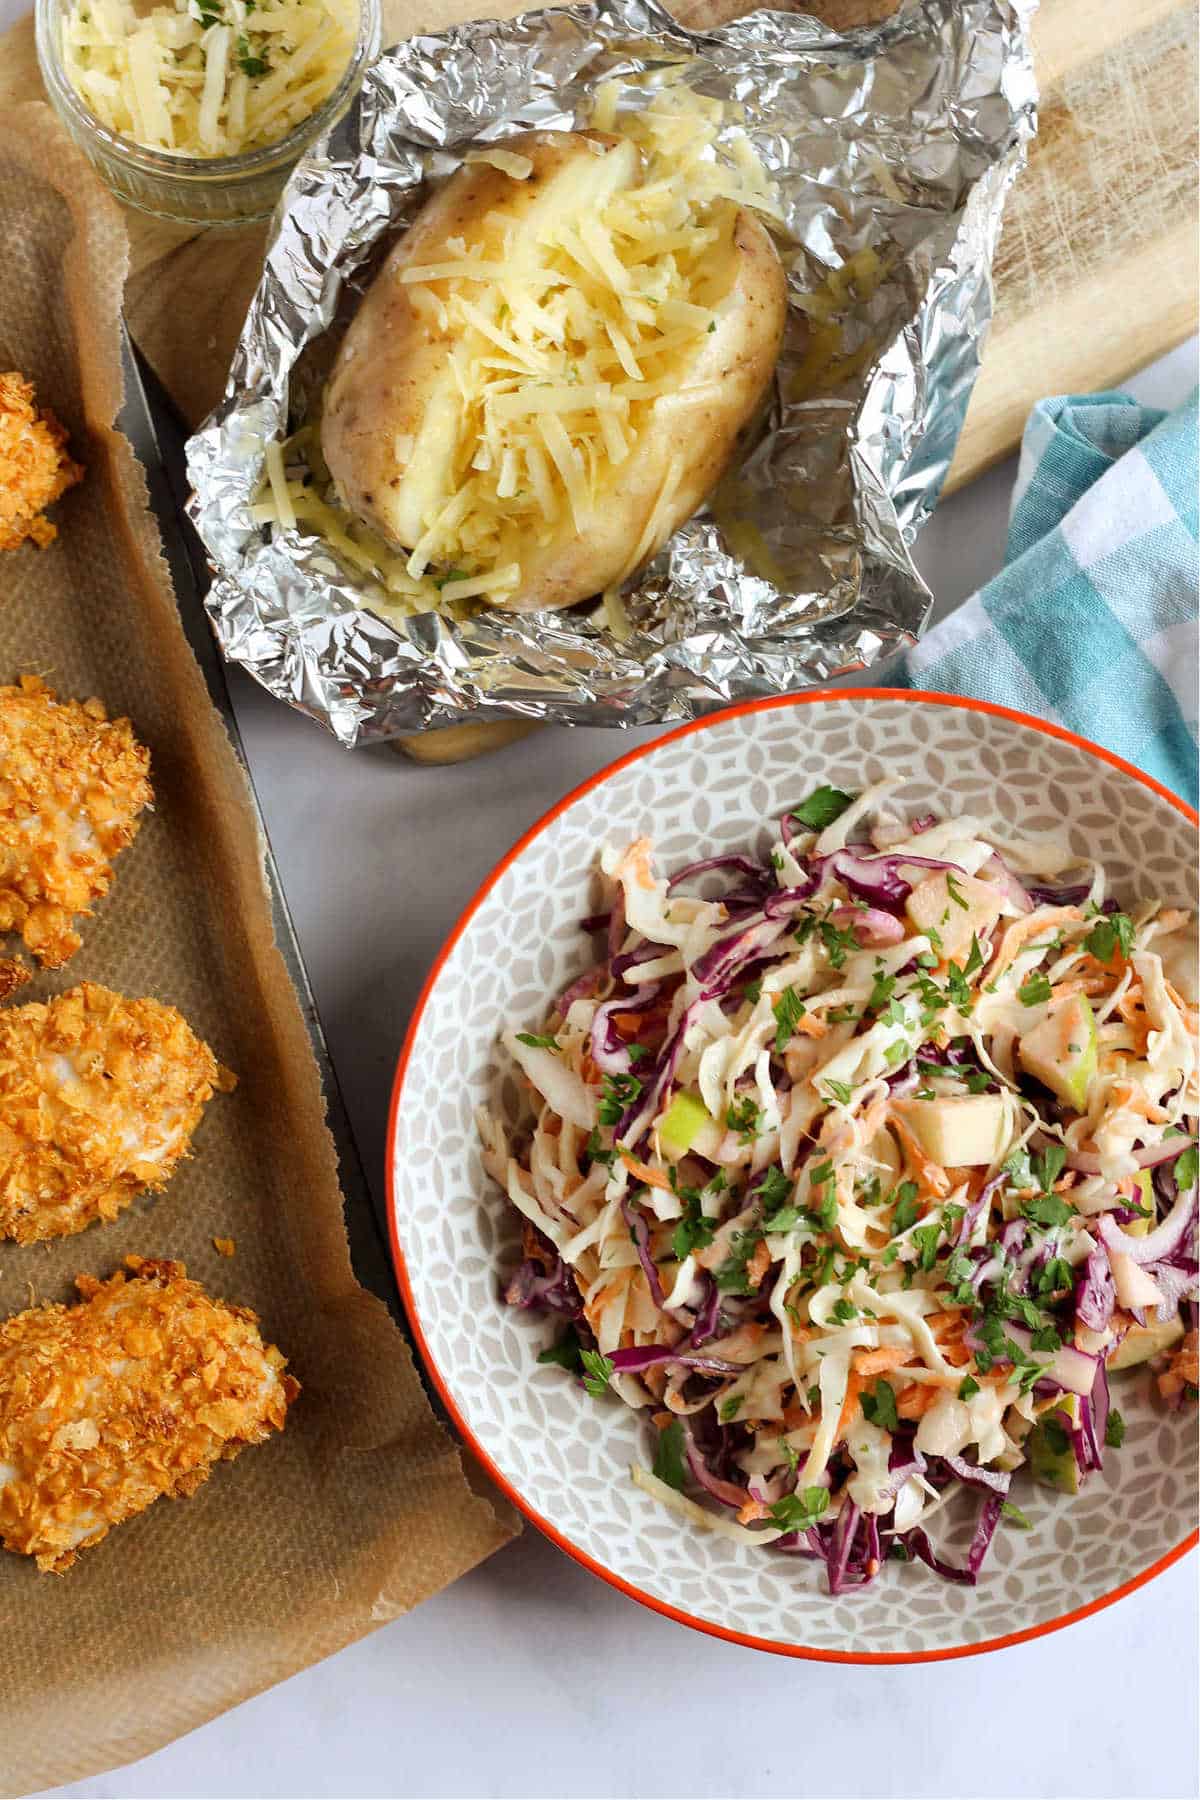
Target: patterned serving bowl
<point>563,1458</point>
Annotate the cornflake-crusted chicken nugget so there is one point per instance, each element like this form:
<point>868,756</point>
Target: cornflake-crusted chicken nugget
<point>34,466</point>
<point>136,1393</point>
<point>99,1097</point>
<point>72,783</point>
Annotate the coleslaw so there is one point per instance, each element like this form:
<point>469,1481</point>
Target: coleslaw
<point>859,1166</point>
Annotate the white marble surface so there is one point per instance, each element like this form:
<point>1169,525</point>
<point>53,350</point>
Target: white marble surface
<point>529,1677</point>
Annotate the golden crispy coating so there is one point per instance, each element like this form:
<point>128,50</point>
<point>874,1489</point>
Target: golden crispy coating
<point>72,783</point>
<point>34,467</point>
<point>99,1097</point>
<point>13,975</point>
<point>136,1393</point>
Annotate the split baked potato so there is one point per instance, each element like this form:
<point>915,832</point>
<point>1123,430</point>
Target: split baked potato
<point>551,369</point>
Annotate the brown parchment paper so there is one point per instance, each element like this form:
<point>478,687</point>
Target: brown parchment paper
<point>361,1508</point>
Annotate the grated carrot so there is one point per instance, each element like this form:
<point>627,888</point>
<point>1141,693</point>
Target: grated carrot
<point>642,1172</point>
<point>1017,933</point>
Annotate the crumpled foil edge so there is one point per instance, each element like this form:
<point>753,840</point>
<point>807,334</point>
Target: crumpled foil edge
<point>922,172</point>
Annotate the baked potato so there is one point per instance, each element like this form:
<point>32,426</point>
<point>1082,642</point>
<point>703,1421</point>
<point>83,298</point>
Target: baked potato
<point>551,369</point>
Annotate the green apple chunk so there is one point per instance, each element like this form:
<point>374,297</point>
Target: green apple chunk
<point>682,1123</point>
<point>1060,1051</point>
<point>951,910</point>
<point>958,1130</point>
<point>1143,1183</point>
<point>1141,1342</point>
<point>1048,1448</point>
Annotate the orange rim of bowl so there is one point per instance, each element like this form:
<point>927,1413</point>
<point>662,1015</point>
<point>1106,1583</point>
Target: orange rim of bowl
<point>807,1652</point>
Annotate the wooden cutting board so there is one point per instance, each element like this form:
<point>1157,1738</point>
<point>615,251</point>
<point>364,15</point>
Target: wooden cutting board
<point>1096,268</point>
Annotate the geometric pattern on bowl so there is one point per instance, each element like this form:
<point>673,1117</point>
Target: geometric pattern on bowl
<point>563,1457</point>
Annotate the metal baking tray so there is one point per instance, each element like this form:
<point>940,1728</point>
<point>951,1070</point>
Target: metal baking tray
<point>148,420</point>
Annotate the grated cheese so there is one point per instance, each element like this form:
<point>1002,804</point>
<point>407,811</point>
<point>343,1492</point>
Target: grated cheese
<point>565,343</point>
<point>206,78</point>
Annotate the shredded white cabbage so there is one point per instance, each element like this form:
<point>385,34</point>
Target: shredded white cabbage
<point>856,1258</point>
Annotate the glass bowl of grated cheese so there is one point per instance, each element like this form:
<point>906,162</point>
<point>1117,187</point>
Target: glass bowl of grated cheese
<point>198,110</point>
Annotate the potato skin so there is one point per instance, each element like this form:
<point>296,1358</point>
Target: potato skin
<point>391,378</point>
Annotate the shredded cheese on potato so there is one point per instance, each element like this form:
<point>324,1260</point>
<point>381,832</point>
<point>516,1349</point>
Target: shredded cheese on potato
<point>560,366</point>
<point>560,359</point>
<point>207,78</point>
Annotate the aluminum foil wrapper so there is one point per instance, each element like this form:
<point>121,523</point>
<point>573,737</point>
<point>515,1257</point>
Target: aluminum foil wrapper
<point>901,140</point>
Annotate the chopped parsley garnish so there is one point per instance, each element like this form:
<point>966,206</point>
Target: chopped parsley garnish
<point>880,1407</point>
<point>637,1052</point>
<point>1049,1164</point>
<point>620,1092</point>
<point>841,1091</point>
<point>906,1207</point>
<point>1047,1209</point>
<point>925,1237</point>
<point>978,1081</point>
<point>932,997</point>
<point>823,806</point>
<point>837,942</point>
<point>1020,1169</point>
<point>668,1458</point>
<point>823,1211</point>
<point>745,1118</point>
<point>248,64</point>
<point>1055,1278</point>
<point>898,1550</point>
<point>694,1231</point>
<point>1114,1430</point>
<point>1016,1515</point>
<point>974,961</point>
<point>731,1277</point>
<point>1186,1168</point>
<point>955,891</point>
<point>967,1386</point>
<point>881,993</point>
<point>844,1310</point>
<point>958,988</point>
<point>774,1188</point>
<point>730,1408</point>
<point>791,1455</point>
<point>565,1353</point>
<point>796,1512</point>
<point>537,1043</point>
<point>597,1372</point>
<point>1034,990</point>
<point>788,1009</point>
<point>1109,934</point>
<point>594,1149</point>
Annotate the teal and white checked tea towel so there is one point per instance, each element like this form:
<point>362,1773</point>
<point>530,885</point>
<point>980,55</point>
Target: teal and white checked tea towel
<point>1092,623</point>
